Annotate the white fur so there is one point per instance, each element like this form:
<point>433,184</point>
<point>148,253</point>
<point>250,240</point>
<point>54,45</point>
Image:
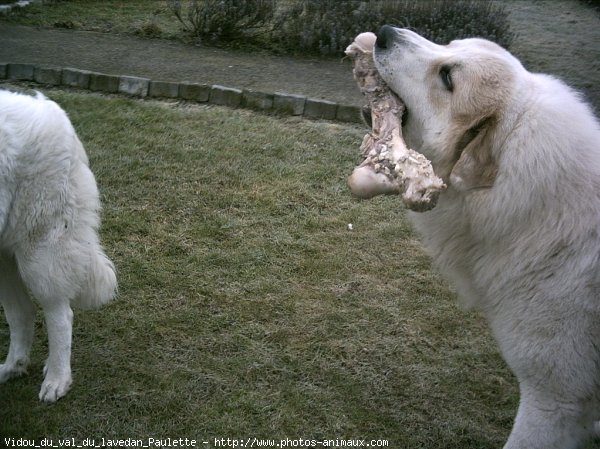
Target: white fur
<point>522,245</point>
<point>49,245</point>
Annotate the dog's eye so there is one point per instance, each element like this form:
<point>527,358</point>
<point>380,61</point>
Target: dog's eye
<point>446,75</point>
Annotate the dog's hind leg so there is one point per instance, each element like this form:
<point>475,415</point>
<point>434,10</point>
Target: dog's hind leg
<point>20,315</point>
<point>57,370</point>
<point>51,273</point>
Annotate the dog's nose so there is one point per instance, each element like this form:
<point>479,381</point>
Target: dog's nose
<point>385,36</point>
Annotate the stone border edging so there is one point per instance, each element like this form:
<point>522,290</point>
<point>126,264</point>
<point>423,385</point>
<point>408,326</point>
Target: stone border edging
<point>134,86</point>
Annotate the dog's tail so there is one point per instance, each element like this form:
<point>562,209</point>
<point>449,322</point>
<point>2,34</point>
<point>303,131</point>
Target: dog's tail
<point>101,282</point>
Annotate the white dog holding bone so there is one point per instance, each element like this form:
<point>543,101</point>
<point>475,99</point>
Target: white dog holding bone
<point>516,226</point>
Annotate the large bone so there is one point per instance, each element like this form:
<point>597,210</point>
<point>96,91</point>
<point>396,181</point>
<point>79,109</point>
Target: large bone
<point>388,166</point>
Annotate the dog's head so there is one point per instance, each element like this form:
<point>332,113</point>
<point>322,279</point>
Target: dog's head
<point>455,97</point>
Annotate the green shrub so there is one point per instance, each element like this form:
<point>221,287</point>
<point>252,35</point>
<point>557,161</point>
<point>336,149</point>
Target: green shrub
<point>149,29</point>
<point>321,26</point>
<point>223,20</point>
<point>593,3</point>
<point>328,26</point>
<point>444,20</point>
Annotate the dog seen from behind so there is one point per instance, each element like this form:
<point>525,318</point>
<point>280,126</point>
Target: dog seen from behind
<point>49,246</point>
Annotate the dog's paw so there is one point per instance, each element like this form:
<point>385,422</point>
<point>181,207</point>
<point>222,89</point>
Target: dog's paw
<point>10,370</point>
<point>54,388</point>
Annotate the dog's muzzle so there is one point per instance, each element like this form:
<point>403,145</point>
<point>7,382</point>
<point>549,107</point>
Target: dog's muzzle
<point>385,37</point>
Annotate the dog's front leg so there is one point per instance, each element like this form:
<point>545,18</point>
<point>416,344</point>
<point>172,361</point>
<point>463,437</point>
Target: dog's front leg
<point>543,424</point>
<point>20,315</point>
<point>57,371</point>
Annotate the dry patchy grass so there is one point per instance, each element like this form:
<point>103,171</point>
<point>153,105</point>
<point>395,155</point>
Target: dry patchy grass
<point>246,307</point>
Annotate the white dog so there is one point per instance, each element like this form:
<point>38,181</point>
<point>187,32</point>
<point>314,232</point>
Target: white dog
<point>517,232</point>
<point>48,241</point>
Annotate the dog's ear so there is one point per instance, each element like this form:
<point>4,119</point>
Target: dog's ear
<point>476,167</point>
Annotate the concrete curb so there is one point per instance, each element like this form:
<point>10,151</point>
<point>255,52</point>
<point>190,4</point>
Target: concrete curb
<point>278,102</point>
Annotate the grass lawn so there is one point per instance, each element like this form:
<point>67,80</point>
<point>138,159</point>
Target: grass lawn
<point>246,306</point>
<point>150,18</point>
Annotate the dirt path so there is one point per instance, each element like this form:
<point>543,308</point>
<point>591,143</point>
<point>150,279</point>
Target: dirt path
<point>560,37</point>
<point>172,61</point>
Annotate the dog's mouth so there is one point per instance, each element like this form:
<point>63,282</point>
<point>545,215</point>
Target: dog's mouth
<point>404,117</point>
